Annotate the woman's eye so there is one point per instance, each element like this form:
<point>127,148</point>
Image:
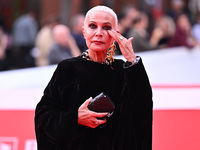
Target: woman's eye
<point>107,28</point>
<point>92,26</point>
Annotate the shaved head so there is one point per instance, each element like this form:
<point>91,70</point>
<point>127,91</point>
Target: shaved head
<point>104,9</point>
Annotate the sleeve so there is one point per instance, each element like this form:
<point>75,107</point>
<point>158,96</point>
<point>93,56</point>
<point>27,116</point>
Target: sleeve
<point>135,125</point>
<point>52,122</point>
<point>136,79</point>
<point>129,64</point>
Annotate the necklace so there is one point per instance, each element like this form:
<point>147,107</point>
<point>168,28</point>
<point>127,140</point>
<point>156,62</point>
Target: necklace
<point>108,59</point>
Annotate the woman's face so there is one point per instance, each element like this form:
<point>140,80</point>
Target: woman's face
<point>96,28</point>
<point>144,21</point>
<point>184,23</point>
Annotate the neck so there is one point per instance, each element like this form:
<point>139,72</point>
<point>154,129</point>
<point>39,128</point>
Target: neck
<point>98,56</point>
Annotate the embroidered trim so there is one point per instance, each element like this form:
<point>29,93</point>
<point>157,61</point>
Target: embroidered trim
<point>109,58</point>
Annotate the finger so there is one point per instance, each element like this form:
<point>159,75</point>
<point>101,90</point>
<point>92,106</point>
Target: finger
<point>124,44</point>
<point>112,34</point>
<point>100,115</point>
<point>88,101</point>
<point>101,121</point>
<point>130,39</point>
<point>85,104</point>
<point>119,38</point>
<point>115,35</point>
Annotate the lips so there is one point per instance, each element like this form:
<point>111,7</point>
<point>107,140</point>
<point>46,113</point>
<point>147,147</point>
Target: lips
<point>98,42</point>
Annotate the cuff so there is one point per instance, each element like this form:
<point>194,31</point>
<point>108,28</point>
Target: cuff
<point>129,64</point>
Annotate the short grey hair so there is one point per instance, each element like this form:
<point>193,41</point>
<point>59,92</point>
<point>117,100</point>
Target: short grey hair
<point>102,8</point>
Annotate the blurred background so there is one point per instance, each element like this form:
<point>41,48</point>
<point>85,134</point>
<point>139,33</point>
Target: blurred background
<point>166,36</point>
<point>155,24</point>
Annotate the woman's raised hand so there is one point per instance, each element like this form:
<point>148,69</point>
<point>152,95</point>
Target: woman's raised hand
<point>124,44</point>
<point>89,118</point>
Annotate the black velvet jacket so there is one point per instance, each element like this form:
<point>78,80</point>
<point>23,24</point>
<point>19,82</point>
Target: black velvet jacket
<point>77,79</point>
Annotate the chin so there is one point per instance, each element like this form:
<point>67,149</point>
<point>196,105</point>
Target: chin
<point>98,48</point>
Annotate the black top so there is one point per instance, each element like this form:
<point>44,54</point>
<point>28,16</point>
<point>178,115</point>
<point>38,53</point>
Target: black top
<point>77,79</point>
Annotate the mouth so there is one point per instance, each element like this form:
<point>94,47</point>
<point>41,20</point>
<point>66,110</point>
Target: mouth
<point>98,42</point>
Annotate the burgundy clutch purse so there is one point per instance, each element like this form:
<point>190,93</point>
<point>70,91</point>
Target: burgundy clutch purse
<point>102,103</point>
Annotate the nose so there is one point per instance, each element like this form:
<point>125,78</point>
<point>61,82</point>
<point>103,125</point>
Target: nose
<point>99,32</point>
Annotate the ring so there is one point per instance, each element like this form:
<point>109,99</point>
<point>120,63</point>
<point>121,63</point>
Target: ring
<point>96,122</point>
<point>121,38</point>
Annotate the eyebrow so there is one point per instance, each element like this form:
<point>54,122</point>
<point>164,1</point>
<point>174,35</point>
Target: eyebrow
<point>103,23</point>
<point>107,23</point>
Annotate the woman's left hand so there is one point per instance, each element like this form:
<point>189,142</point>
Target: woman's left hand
<point>124,44</point>
<point>90,118</point>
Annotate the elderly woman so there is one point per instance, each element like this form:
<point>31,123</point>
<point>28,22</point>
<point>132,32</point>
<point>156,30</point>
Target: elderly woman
<point>63,120</point>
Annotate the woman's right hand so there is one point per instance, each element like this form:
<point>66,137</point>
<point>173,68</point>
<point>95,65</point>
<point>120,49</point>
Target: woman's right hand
<point>88,118</point>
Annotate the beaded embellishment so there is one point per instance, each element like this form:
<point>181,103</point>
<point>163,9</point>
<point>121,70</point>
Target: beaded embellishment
<point>109,58</point>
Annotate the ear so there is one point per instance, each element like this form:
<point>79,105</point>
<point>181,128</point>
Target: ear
<point>83,30</point>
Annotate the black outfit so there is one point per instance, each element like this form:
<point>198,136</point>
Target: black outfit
<point>77,79</point>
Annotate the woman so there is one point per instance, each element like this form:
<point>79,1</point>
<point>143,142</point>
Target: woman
<point>63,120</point>
<point>164,29</point>
<point>183,33</point>
<point>142,39</point>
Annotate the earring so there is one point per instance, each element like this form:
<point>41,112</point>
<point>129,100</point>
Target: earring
<point>111,53</point>
<point>112,48</point>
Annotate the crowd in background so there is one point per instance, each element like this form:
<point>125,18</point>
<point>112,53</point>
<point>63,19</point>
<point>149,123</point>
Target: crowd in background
<point>30,46</point>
